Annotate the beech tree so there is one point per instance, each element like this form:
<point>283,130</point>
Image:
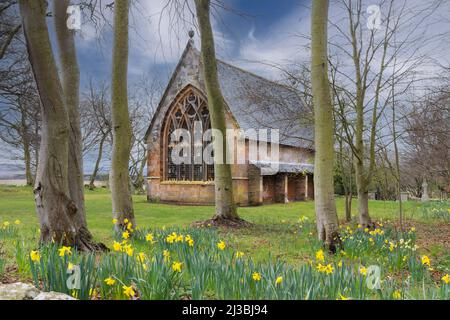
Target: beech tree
<point>122,203</point>
<point>60,218</point>
<point>226,211</point>
<point>326,216</point>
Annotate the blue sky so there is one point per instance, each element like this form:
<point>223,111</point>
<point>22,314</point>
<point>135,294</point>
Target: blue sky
<point>260,34</point>
<point>268,33</point>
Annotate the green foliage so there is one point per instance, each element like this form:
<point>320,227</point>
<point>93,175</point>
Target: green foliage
<point>211,269</point>
<point>436,210</point>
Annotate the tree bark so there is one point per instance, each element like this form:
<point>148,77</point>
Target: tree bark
<point>224,201</point>
<point>70,80</point>
<point>26,148</point>
<point>326,215</point>
<point>122,204</point>
<point>97,162</point>
<point>53,204</point>
<point>57,212</point>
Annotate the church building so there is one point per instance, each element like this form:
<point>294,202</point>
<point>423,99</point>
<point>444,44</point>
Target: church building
<point>252,102</point>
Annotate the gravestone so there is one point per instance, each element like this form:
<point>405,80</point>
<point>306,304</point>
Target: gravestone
<point>425,196</point>
<point>404,196</point>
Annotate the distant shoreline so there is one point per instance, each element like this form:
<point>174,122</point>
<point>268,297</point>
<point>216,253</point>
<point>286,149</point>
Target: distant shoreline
<point>22,182</point>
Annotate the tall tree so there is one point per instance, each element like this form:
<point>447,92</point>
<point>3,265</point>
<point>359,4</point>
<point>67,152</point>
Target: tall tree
<point>326,216</point>
<point>224,202</point>
<point>53,204</point>
<point>122,203</point>
<point>58,214</point>
<point>70,80</point>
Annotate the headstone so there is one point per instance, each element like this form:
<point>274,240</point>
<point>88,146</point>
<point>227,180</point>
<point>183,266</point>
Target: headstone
<point>404,196</point>
<point>425,196</point>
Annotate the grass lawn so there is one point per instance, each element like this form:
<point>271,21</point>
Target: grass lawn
<point>273,234</point>
<point>277,244</point>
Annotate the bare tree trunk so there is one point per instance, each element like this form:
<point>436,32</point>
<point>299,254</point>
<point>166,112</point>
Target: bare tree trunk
<point>327,220</point>
<point>26,149</point>
<point>122,203</point>
<point>97,162</point>
<point>53,204</point>
<point>70,80</point>
<point>225,207</point>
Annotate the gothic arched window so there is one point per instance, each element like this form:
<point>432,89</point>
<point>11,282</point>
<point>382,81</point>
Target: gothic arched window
<point>188,108</point>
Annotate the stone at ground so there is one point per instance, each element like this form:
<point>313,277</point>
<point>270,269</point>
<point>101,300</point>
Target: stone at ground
<point>53,296</point>
<point>18,291</point>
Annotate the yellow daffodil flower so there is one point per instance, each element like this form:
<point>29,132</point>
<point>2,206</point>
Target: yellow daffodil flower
<point>320,256</point>
<point>125,234</point>
<point>239,254</point>
<point>426,261</point>
<point>35,256</point>
<point>279,280</point>
<point>141,257</point>
<point>221,245</point>
<point>166,255</point>
<point>128,291</point>
<point>256,276</point>
<point>110,281</point>
<point>363,271</point>
<point>176,266</point>
<point>396,294</point>
<point>446,278</point>
<point>64,250</point>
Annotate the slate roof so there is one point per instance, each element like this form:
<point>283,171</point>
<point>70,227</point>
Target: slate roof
<point>256,102</point>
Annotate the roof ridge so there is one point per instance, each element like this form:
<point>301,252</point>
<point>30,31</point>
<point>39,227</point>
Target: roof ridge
<point>257,76</point>
<point>249,72</point>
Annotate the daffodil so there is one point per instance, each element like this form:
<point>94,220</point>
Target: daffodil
<point>35,256</point>
<point>221,245</point>
<point>125,234</point>
<point>320,256</point>
<point>117,246</point>
<point>363,270</point>
<point>426,261</point>
<point>129,250</point>
<point>166,255</point>
<point>446,278</point>
<point>114,221</point>
<point>128,291</point>
<point>6,224</point>
<point>342,297</point>
<point>64,250</point>
<point>239,254</point>
<point>256,276</point>
<point>149,238</point>
<point>130,226</point>
<point>141,257</point>
<point>110,281</point>
<point>70,266</point>
<point>339,264</point>
<point>125,221</point>
<point>396,294</point>
<point>17,222</point>
<point>279,280</point>
<point>176,266</point>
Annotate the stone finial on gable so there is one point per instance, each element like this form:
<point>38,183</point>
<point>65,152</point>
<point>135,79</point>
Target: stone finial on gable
<point>191,35</point>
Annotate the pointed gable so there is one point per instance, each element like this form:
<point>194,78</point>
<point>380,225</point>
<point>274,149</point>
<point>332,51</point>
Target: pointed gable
<point>252,101</point>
